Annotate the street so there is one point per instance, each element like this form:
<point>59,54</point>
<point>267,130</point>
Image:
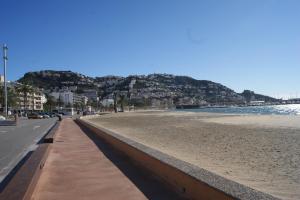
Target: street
<point>17,141</point>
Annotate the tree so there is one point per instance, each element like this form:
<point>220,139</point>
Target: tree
<point>76,106</point>
<point>60,103</point>
<point>115,101</point>
<point>12,98</point>
<point>2,95</point>
<point>51,102</point>
<point>89,103</point>
<point>94,104</point>
<point>122,101</point>
<point>69,105</point>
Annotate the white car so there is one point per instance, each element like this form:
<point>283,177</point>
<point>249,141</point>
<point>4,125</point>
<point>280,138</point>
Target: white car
<point>2,118</point>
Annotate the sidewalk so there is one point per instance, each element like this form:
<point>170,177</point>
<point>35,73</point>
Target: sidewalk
<point>77,169</point>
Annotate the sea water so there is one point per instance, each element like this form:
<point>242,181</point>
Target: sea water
<point>291,109</point>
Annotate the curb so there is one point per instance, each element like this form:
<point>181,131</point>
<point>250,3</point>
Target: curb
<point>26,174</point>
<point>8,123</point>
<point>19,158</point>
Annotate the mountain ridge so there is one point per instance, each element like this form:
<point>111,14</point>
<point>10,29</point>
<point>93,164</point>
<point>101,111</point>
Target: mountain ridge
<point>146,89</point>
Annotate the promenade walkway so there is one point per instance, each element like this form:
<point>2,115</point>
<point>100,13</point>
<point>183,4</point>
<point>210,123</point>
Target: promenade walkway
<point>79,166</point>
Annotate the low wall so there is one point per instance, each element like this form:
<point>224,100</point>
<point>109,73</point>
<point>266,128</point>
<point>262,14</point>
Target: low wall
<point>187,179</point>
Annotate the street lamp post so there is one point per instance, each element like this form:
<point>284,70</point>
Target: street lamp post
<point>5,86</point>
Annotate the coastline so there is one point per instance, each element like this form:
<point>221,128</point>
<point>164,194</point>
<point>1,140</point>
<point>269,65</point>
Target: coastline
<point>263,157</point>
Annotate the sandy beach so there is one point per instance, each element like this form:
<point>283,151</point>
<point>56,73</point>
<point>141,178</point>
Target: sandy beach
<point>260,151</point>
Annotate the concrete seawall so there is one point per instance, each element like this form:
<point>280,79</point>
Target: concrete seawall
<point>189,180</point>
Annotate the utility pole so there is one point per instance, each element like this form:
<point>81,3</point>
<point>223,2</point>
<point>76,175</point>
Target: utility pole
<point>5,86</point>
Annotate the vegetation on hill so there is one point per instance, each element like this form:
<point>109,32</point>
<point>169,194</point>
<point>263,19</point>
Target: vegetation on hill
<point>153,89</point>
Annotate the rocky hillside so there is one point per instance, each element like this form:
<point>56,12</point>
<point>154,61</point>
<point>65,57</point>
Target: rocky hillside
<point>153,89</point>
<point>50,79</point>
<point>252,96</point>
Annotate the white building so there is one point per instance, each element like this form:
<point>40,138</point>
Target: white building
<point>1,79</point>
<point>68,97</point>
<point>91,94</point>
<point>33,101</point>
<point>107,102</point>
<point>257,103</point>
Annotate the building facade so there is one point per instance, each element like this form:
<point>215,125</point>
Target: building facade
<point>32,101</point>
<point>69,98</point>
<point>92,95</point>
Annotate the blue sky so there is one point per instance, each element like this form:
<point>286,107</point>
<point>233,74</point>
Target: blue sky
<point>243,44</point>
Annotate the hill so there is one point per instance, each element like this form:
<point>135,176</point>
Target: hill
<point>153,89</point>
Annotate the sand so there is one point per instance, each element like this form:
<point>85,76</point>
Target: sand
<point>268,121</point>
<point>262,152</point>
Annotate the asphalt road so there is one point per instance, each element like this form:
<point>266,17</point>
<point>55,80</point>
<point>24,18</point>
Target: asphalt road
<point>17,141</point>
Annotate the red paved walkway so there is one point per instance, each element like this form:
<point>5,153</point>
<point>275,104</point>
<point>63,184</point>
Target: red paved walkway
<point>77,169</point>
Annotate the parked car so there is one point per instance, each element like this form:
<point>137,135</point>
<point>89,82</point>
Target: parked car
<point>45,115</point>
<point>34,116</point>
<point>2,118</point>
<point>52,114</point>
<point>61,113</point>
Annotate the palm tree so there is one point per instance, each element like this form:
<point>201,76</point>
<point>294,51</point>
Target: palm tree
<point>51,102</point>
<point>12,98</point>
<point>60,102</point>
<point>122,102</point>
<point>1,95</point>
<point>77,106</point>
<point>115,102</point>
